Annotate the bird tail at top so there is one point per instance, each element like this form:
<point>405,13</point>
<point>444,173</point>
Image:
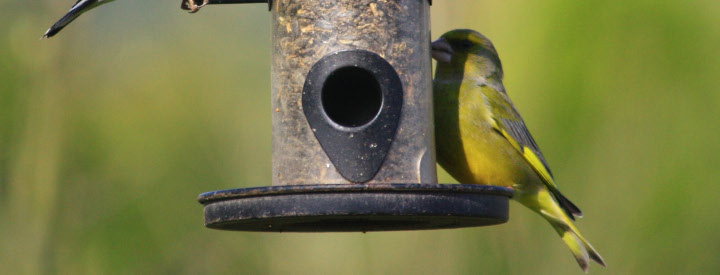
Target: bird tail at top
<point>79,8</point>
<point>60,24</point>
<point>545,204</point>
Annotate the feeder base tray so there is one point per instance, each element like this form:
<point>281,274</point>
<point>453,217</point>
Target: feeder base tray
<point>355,207</point>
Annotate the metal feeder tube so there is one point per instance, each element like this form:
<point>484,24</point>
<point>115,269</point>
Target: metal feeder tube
<point>353,144</point>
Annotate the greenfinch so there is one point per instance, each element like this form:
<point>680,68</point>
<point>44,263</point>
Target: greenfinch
<point>481,138</point>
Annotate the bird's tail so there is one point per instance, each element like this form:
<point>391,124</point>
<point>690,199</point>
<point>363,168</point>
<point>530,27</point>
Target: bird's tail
<point>79,8</point>
<point>549,208</point>
<point>60,24</point>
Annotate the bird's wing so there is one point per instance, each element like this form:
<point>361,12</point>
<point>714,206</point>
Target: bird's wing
<point>507,121</point>
<point>77,9</point>
<point>76,3</point>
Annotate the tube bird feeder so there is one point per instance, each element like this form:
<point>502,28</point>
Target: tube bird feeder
<point>353,144</point>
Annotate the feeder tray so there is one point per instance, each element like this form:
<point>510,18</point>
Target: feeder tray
<point>353,129</point>
<point>355,207</point>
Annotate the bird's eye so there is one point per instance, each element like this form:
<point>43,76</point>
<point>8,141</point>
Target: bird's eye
<point>465,44</point>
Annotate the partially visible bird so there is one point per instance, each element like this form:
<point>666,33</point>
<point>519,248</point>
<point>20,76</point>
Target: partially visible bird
<point>481,138</point>
<point>82,6</point>
<point>192,6</point>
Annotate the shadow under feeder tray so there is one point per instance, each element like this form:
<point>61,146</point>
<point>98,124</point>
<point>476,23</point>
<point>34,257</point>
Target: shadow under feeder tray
<point>355,207</point>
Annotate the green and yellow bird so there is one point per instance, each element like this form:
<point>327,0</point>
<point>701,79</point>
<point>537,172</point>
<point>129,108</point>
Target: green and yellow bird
<point>481,138</point>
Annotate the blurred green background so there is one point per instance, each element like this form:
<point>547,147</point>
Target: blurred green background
<point>109,131</point>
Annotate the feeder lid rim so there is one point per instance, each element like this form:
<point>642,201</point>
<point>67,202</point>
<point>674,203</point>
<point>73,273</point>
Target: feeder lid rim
<point>229,194</point>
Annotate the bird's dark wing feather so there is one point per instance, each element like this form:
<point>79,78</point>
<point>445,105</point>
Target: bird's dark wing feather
<point>510,124</point>
<point>77,9</point>
<point>520,132</point>
<point>78,1</point>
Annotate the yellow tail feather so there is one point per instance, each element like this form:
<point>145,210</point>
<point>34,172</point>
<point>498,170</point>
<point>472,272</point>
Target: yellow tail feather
<point>543,203</point>
<point>577,248</point>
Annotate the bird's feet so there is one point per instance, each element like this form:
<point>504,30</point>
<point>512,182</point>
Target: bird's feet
<point>193,7</point>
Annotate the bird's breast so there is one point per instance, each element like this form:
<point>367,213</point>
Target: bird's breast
<point>469,147</point>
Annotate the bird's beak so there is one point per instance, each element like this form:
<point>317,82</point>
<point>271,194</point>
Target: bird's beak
<point>441,50</point>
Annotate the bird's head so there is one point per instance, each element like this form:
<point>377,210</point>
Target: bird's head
<point>457,47</point>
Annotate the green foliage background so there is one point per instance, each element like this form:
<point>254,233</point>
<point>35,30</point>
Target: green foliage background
<point>109,131</point>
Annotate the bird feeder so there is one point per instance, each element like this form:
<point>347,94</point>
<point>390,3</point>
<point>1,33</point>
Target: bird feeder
<point>353,136</point>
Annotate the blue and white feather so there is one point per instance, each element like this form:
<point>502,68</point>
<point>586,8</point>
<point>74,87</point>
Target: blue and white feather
<point>80,7</point>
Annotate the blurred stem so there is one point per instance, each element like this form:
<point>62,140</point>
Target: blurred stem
<point>33,177</point>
